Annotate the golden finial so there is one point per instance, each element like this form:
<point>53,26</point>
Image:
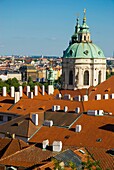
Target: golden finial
<point>84,14</point>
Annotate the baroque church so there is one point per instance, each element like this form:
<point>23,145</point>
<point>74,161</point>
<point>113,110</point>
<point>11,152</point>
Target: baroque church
<point>84,63</point>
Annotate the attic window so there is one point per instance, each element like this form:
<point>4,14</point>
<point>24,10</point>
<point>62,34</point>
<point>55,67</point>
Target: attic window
<point>40,108</point>
<point>86,52</point>
<point>71,52</point>
<point>67,137</point>
<point>111,152</point>
<point>19,108</point>
<point>99,52</point>
<point>93,89</point>
<point>107,90</point>
<point>99,140</point>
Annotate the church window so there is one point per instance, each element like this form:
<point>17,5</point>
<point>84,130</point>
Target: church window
<point>71,77</point>
<point>99,77</point>
<point>86,77</point>
<point>84,38</point>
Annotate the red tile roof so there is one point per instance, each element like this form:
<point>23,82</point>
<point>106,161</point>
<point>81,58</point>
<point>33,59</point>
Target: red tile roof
<point>28,157</point>
<point>93,128</point>
<point>9,146</point>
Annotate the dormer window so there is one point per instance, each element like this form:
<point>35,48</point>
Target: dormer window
<point>99,52</point>
<point>86,52</point>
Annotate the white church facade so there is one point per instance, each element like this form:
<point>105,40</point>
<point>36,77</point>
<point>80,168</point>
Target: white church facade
<point>83,63</point>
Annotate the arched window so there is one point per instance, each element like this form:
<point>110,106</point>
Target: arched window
<point>84,37</point>
<point>86,78</point>
<point>99,77</point>
<point>71,78</point>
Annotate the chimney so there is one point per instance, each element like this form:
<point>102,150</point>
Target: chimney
<point>4,93</point>
<point>43,90</point>
<point>36,90</point>
<point>65,108</point>
<point>12,91</point>
<point>57,146</point>
<point>20,91</point>
<point>16,97</point>
<point>27,90</point>
<point>35,119</point>
<point>50,89</point>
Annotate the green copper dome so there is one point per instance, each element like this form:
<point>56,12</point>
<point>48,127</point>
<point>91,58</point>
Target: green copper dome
<point>83,50</point>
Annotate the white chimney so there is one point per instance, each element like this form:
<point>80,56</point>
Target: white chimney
<point>98,97</point>
<point>112,96</point>
<point>4,92</point>
<point>77,98</point>
<point>57,146</point>
<point>100,112</point>
<point>20,91</point>
<point>45,143</point>
<point>105,96</point>
<point>54,108</point>
<point>28,90</point>
<point>30,95</point>
<point>67,96</point>
<point>92,112</point>
<point>85,98</point>
<point>36,90</point>
<point>78,128</point>
<point>58,107</point>
<point>50,89</point>
<point>48,123</point>
<point>65,108</point>
<point>16,97</point>
<point>77,110</point>
<point>43,90</point>
<point>35,119</point>
<point>59,96</point>
<point>12,91</point>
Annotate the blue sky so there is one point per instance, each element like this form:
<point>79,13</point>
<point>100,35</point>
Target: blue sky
<point>44,27</point>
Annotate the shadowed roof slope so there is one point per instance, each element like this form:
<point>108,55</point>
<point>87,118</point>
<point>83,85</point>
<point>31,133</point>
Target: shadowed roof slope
<point>62,119</point>
<point>9,146</point>
<point>21,126</point>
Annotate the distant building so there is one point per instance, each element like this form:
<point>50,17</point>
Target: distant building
<point>84,63</point>
<point>14,74</point>
<point>28,71</point>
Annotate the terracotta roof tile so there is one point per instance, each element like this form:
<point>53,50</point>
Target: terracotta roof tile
<point>9,146</point>
<point>103,88</point>
<point>27,157</point>
<point>93,128</point>
<point>101,155</point>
